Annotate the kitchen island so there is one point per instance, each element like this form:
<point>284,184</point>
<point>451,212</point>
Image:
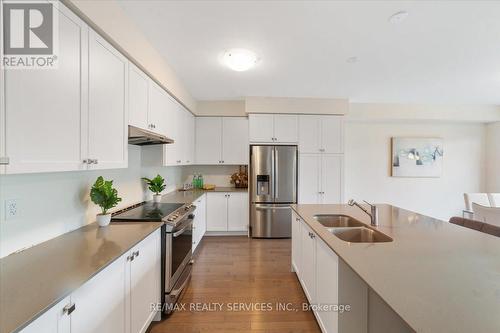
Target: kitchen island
<point>436,276</point>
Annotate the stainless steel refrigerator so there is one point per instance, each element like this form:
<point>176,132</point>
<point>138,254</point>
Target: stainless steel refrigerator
<point>273,188</point>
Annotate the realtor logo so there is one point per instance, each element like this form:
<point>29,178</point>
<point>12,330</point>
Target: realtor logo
<point>29,34</point>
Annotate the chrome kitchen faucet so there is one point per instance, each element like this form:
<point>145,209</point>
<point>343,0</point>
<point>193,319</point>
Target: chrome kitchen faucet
<point>373,211</point>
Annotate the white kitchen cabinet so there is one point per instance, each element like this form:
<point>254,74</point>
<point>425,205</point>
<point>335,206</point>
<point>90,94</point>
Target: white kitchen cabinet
<point>261,128</point>
<point>320,178</point>
<point>200,221</point>
<point>331,179</point>
<point>237,211</point>
<point>217,211</point>
<point>181,152</point>
<point>308,263</point>
<point>296,243</point>
<point>273,128</point>
<point>320,134</point>
<point>55,320</point>
<point>158,104</point>
<point>138,97</point>
<point>100,302</point>
<point>208,140</point>
<point>108,105</point>
<point>234,140</point>
<point>145,285</point>
<point>221,140</point>
<point>44,114</point>
<point>227,211</point>
<point>327,265</point>
<point>309,178</point>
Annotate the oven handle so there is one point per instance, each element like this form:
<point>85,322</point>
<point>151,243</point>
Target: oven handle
<point>180,232</point>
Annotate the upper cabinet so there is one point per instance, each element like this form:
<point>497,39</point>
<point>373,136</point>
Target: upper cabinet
<point>46,110</point>
<point>321,134</point>
<point>221,140</point>
<point>138,99</point>
<point>273,128</point>
<point>108,112</point>
<point>181,128</point>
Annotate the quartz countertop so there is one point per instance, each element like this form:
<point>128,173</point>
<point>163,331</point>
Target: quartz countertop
<point>189,196</point>
<point>439,277</point>
<point>36,279</point>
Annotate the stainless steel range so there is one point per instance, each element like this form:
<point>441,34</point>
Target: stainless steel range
<point>177,240</point>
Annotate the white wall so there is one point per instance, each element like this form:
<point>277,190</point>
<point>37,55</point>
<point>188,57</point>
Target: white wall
<point>50,204</point>
<point>367,166</point>
<point>493,157</point>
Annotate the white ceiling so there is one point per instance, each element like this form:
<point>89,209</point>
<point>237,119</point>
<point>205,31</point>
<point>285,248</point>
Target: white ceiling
<point>444,52</point>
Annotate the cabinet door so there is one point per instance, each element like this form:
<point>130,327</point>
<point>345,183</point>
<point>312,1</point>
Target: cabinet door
<point>108,112</point>
<point>332,134</point>
<point>309,134</point>
<point>208,140</point>
<point>296,241</point>
<point>286,128</point>
<point>217,211</point>
<point>309,178</point>
<point>137,97</point>
<point>261,127</point>
<point>234,140</point>
<point>145,276</point>
<point>157,111</point>
<point>308,263</point>
<point>100,302</point>
<point>172,130</point>
<point>237,211</point>
<point>327,285</point>
<point>200,221</point>
<point>54,320</point>
<point>45,111</point>
<point>331,179</point>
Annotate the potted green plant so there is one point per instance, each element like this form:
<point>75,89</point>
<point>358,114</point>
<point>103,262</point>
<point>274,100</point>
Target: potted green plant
<point>156,185</point>
<point>105,196</point>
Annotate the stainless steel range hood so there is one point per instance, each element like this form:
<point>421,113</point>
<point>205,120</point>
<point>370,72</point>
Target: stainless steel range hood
<point>140,137</point>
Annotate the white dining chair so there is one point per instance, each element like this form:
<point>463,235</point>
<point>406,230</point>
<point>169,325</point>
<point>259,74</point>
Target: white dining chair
<point>490,215</point>
<point>479,198</point>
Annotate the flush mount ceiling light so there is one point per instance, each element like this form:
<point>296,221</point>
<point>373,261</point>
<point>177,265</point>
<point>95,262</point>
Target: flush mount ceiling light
<point>398,17</point>
<point>240,59</point>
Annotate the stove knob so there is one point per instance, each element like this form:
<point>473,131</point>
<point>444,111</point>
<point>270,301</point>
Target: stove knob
<point>170,219</point>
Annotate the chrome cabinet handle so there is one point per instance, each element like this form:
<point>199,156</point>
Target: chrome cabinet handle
<point>86,161</point>
<point>135,254</point>
<point>68,309</point>
<point>96,161</point>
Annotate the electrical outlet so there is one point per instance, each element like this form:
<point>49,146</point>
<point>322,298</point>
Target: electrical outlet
<point>11,209</point>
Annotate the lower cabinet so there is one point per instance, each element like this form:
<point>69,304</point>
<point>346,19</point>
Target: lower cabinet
<point>227,211</point>
<point>55,320</point>
<point>145,287</point>
<point>316,266</point>
<point>200,221</point>
<point>119,299</point>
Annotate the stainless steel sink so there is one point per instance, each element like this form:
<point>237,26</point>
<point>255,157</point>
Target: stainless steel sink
<point>338,221</point>
<point>360,235</point>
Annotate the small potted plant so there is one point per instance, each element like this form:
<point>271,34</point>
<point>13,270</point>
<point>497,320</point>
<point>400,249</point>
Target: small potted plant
<point>105,196</point>
<point>156,185</point>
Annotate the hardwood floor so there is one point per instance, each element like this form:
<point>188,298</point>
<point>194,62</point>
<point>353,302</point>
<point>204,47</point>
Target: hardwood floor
<point>238,272</point>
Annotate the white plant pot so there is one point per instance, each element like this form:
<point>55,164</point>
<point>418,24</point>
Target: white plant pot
<point>156,198</point>
<point>103,219</point>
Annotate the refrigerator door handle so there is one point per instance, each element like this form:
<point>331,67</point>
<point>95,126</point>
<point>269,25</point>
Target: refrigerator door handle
<point>276,168</point>
<point>271,207</point>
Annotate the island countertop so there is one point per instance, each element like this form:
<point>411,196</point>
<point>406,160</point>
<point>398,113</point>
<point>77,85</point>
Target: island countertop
<point>437,276</point>
<point>34,280</point>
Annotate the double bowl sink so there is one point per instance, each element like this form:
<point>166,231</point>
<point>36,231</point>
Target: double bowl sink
<point>351,230</point>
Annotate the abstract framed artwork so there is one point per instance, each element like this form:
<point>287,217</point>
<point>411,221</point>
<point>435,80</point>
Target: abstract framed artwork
<point>417,157</point>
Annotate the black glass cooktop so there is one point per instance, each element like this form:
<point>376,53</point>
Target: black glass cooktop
<point>148,212</point>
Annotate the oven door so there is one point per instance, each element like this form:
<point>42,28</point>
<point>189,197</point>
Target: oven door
<point>179,250</point>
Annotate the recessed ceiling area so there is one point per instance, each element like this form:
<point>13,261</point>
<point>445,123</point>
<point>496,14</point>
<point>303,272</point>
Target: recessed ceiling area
<point>441,52</point>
